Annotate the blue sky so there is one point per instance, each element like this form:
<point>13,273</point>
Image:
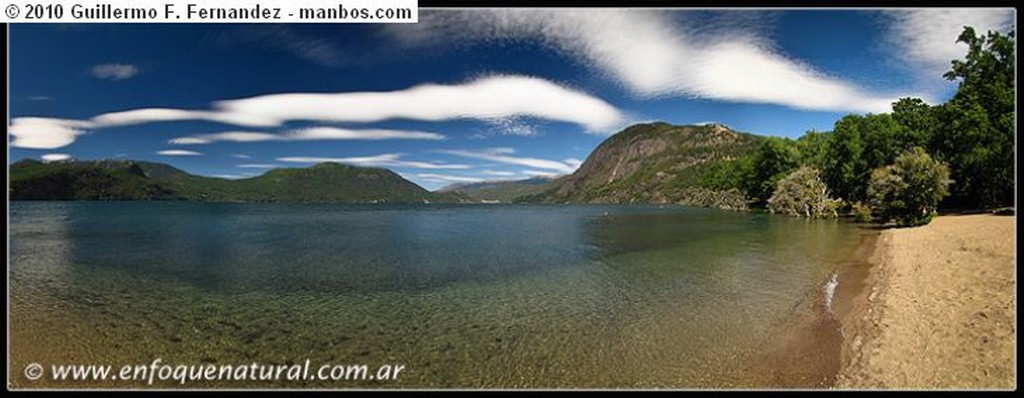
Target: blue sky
<point>464,95</point>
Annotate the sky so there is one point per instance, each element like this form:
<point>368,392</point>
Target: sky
<point>463,95</point>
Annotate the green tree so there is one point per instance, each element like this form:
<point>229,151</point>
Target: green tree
<point>803,194</point>
<point>813,148</point>
<point>909,190</point>
<point>772,161</point>
<point>918,122</point>
<point>724,175</point>
<point>858,145</point>
<point>882,140</point>
<point>844,167</point>
<point>977,130</point>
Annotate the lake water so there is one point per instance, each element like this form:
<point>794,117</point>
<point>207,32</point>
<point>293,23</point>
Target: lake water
<point>461,295</point>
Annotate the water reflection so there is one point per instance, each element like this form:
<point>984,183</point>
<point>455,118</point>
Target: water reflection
<point>42,242</point>
<point>292,248</point>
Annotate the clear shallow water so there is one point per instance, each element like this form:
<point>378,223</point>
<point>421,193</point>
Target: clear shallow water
<point>463,296</point>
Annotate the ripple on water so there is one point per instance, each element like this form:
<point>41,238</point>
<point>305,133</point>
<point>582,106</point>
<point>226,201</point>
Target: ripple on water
<point>489,296</point>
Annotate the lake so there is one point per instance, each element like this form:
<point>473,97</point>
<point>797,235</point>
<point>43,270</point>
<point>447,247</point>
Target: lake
<point>464,296</point>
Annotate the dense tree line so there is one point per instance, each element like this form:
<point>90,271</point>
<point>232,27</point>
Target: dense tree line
<point>972,134</point>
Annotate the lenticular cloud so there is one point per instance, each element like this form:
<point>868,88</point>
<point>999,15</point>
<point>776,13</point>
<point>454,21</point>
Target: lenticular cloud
<point>491,98</point>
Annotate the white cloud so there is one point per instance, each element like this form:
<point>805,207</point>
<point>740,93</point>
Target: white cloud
<point>188,141</point>
<point>539,173</point>
<point>498,173</point>
<point>332,133</point>
<point>573,162</point>
<point>178,152</point>
<point>55,157</point>
<point>499,150</point>
<point>503,155</point>
<point>488,98</point>
<point>927,37</point>
<point>514,126</point>
<point>145,116</point>
<point>40,98</point>
<point>651,55</point>
<point>150,115</point>
<point>241,156</point>
<point>45,133</point>
<point>383,160</point>
<point>744,72</point>
<point>257,166</point>
<point>232,136</point>
<point>446,178</point>
<point>32,132</point>
<point>115,71</point>
<point>230,176</point>
<point>307,134</point>
<point>493,98</point>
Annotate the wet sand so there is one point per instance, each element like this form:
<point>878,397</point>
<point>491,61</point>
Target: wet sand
<point>806,353</point>
<point>937,310</point>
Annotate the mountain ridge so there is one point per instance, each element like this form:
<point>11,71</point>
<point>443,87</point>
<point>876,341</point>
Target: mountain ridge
<point>653,162</point>
<point>502,191</point>
<point>114,179</point>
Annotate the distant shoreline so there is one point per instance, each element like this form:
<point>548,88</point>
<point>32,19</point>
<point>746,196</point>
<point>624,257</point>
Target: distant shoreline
<point>937,309</point>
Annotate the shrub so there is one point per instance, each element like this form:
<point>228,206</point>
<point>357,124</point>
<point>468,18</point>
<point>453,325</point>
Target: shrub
<point>909,190</point>
<point>731,199</point>
<point>861,212</point>
<point>802,193</point>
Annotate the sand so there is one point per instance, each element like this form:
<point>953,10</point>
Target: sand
<point>938,309</point>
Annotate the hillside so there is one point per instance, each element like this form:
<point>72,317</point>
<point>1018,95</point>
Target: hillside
<point>33,180</point>
<point>500,191</point>
<point>655,163</point>
<point>137,180</point>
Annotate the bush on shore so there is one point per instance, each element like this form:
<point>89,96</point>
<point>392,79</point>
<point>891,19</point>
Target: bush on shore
<point>909,190</point>
<point>803,194</point>
<point>731,199</point>
<point>861,212</point>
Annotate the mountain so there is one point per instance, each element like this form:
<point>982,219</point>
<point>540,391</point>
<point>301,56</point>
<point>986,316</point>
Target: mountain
<point>645,163</point>
<point>655,163</point>
<point>137,180</point>
<point>33,180</point>
<point>500,191</point>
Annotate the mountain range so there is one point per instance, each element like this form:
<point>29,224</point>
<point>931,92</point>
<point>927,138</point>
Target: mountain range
<point>504,191</point>
<point>645,163</point>
<point>138,180</point>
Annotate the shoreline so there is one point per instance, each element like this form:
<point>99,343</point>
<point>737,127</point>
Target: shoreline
<point>806,352</point>
<point>935,310</point>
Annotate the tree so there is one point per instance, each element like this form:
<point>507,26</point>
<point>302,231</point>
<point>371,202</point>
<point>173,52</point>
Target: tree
<point>844,166</point>
<point>803,194</point>
<point>909,190</point>
<point>882,140</point>
<point>860,144</point>
<point>723,175</point>
<point>918,122</point>
<point>772,161</point>
<point>813,148</point>
<point>976,134</point>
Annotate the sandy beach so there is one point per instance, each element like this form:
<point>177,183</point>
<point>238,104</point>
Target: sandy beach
<point>937,310</point>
